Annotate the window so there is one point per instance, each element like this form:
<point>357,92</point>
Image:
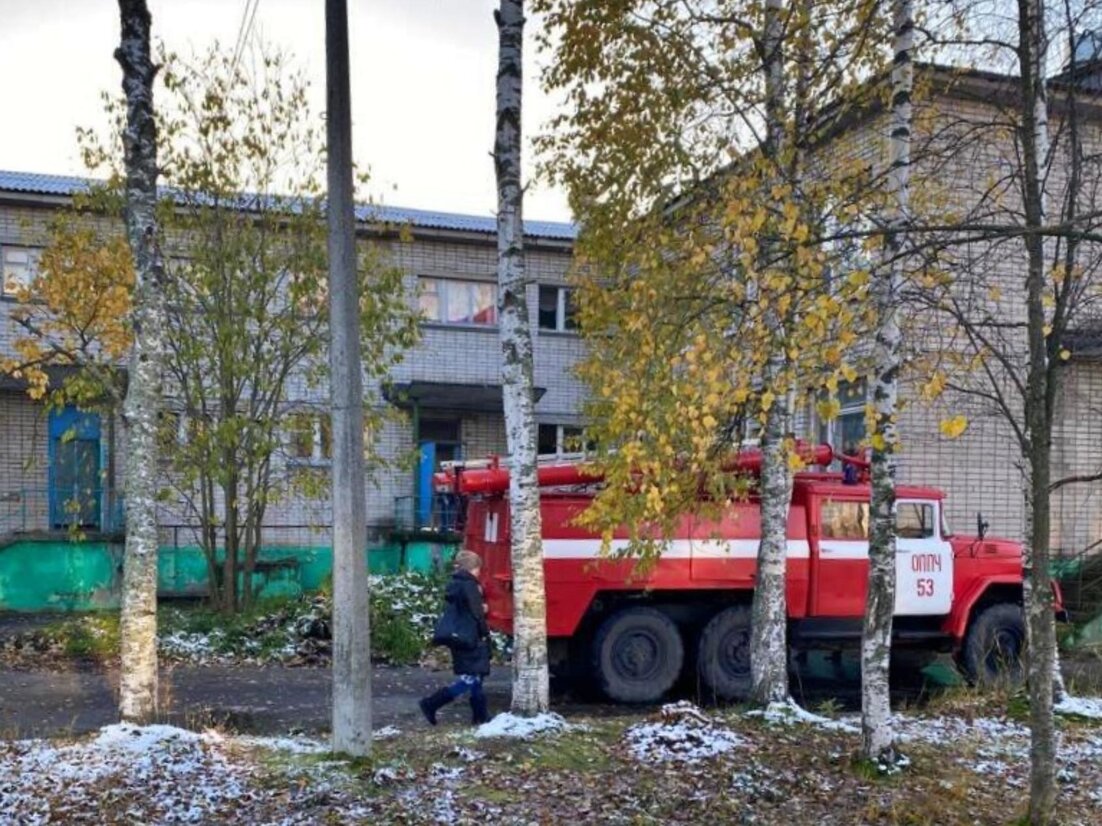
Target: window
<point>20,267</point>
<point>557,439</point>
<point>914,520</point>
<point>844,520</point>
<point>449,301</point>
<point>847,431</point>
<point>557,311</point>
<point>311,438</point>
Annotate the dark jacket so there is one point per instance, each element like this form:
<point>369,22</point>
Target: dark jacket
<point>464,591</point>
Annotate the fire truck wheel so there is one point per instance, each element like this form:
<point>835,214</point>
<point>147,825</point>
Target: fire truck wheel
<point>637,655</point>
<point>723,655</point>
<point>994,646</point>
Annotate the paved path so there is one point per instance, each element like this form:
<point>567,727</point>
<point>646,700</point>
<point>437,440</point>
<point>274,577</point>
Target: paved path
<point>276,700</point>
<point>265,699</point>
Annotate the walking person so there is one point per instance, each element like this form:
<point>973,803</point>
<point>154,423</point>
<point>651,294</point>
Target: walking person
<point>462,628</point>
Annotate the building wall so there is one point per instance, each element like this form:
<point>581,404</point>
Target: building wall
<point>445,354</point>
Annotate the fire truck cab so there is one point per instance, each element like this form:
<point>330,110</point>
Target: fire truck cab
<point>637,631</point>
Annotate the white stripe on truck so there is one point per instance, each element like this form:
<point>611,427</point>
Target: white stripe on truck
<point>673,549</point>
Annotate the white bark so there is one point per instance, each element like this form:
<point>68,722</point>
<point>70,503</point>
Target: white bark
<point>877,735</point>
<point>1037,593</point>
<point>530,677</point>
<point>769,624</point>
<point>138,628</point>
<point>351,632</point>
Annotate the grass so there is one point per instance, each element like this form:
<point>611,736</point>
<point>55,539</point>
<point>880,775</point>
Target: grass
<point>403,610</point>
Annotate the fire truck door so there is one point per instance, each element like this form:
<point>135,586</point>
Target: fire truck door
<point>923,561</point>
<point>840,570</point>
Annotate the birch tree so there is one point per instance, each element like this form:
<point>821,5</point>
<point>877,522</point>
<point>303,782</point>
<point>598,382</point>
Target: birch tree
<point>877,736</point>
<point>1023,288</point>
<point>530,670</point>
<point>138,629</point>
<point>689,159</point>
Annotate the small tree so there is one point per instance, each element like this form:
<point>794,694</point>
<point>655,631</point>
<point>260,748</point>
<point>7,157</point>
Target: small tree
<point>1021,250</point>
<point>246,304</point>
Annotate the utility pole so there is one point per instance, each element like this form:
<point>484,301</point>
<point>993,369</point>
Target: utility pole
<point>351,630</point>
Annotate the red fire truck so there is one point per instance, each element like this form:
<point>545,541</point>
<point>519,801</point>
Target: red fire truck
<point>636,632</point>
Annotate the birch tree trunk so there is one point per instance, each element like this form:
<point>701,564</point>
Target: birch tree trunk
<point>877,738</point>
<point>1037,580</point>
<point>138,629</point>
<point>530,677</point>
<point>769,620</point>
<point>351,630</point>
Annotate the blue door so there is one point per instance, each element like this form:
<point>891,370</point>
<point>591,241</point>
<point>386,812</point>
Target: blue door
<point>75,486</point>
<point>425,468</point>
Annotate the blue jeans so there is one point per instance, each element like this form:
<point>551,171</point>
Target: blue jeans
<point>465,683</point>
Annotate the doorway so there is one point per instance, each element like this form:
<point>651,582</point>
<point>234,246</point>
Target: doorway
<point>75,486</point>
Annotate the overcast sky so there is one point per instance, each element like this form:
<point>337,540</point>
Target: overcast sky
<point>422,85</point>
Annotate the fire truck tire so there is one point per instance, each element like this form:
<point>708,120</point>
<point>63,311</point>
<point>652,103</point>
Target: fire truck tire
<point>723,654</point>
<point>637,655</point>
<point>994,646</point>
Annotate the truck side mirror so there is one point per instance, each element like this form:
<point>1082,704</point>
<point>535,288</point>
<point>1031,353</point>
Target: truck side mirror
<point>981,525</point>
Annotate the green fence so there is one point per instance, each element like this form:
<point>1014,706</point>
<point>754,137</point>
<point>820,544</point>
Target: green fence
<point>50,575</point>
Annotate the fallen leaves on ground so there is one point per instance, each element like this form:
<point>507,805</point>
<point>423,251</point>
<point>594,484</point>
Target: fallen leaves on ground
<point>967,767</point>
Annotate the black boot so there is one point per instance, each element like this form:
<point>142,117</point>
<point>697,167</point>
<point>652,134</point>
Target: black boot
<point>434,702</point>
<point>479,712</point>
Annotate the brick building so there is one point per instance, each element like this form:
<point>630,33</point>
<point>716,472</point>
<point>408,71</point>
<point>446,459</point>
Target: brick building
<point>448,387</point>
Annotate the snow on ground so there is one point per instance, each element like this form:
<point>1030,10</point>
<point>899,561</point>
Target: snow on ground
<point>192,646</point>
<point>512,725</point>
<point>156,774</point>
<point>791,713</point>
<point>1087,707</point>
<point>292,745</point>
<point>163,774</point>
<point>684,734</point>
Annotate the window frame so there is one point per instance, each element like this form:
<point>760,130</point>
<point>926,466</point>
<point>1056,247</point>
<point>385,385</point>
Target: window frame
<point>561,438</point>
<point>443,286</point>
<point>932,530</point>
<point>321,440</point>
<point>34,264</point>
<point>562,294</point>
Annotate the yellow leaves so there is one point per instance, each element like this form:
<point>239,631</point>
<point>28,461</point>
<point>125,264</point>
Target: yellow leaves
<point>848,373</point>
<point>934,387</point>
<point>953,427</point>
<point>828,409</point>
<point>858,278</point>
<point>994,293</point>
<point>877,442</point>
<point>767,399</point>
<point>1047,330</point>
<point>1065,354</point>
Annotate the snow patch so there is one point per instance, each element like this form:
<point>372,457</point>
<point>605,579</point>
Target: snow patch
<point>512,725</point>
<point>1086,707</point>
<point>386,733</point>
<point>293,745</point>
<point>684,734</point>
<point>791,713</point>
<point>127,737</point>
